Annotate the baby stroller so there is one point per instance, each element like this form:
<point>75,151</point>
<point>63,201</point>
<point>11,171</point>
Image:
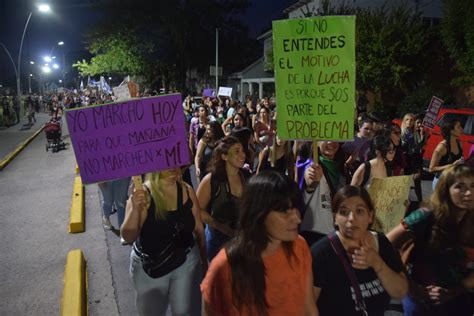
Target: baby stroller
<point>53,136</point>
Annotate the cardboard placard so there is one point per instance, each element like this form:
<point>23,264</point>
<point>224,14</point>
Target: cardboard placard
<point>225,92</point>
<point>432,112</point>
<point>124,139</point>
<point>122,93</point>
<point>389,196</point>
<point>315,77</point>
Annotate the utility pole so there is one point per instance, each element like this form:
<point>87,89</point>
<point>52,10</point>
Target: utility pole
<point>217,59</point>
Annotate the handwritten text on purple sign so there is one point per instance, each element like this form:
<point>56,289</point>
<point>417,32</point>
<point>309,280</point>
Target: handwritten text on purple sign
<point>123,139</point>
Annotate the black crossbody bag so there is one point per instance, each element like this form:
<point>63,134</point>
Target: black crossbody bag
<point>171,257</point>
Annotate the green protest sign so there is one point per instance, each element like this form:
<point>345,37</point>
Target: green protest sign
<point>315,77</point>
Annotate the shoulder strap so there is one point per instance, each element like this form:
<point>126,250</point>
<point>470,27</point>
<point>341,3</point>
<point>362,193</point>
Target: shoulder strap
<point>388,169</point>
<point>448,151</point>
<point>180,195</point>
<point>339,250</point>
<point>460,147</point>
<point>367,171</point>
<point>214,186</point>
<point>214,191</point>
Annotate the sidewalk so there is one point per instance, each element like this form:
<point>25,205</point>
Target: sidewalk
<point>12,137</point>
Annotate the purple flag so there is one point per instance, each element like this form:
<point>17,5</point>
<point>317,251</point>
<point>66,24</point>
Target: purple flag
<point>209,93</point>
<point>124,139</point>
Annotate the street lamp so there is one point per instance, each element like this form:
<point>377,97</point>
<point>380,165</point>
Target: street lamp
<point>61,43</point>
<point>46,69</point>
<point>42,8</point>
<point>47,59</point>
<point>56,66</point>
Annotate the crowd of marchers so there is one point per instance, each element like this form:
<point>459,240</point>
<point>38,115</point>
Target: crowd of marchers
<point>268,230</point>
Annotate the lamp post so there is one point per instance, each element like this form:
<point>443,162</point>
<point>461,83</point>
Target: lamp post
<point>42,8</point>
<point>63,71</point>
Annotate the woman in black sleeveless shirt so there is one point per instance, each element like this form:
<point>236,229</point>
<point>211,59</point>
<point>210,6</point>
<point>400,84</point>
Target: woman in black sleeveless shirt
<point>449,151</point>
<point>165,214</point>
<point>219,193</point>
<point>205,148</point>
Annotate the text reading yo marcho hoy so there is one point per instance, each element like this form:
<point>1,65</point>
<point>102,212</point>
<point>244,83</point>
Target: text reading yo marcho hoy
<point>124,139</point>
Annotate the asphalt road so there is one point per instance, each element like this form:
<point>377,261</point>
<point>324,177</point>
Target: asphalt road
<point>35,190</point>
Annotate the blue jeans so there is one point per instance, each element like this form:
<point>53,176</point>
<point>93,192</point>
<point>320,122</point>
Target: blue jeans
<point>114,192</point>
<point>179,288</point>
<point>214,242</point>
<point>435,181</point>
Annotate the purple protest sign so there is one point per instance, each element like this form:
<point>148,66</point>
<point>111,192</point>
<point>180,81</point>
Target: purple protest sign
<point>432,112</point>
<point>124,139</point>
<point>209,93</point>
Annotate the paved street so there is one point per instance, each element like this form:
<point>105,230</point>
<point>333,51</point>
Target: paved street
<point>35,190</point>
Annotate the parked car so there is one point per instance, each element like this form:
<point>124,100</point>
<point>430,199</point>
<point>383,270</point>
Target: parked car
<point>465,116</point>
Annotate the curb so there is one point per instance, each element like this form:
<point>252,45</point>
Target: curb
<point>77,213</point>
<point>74,300</point>
<point>4,162</point>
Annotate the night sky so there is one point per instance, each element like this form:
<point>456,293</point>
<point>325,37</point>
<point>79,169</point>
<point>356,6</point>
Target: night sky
<point>70,19</point>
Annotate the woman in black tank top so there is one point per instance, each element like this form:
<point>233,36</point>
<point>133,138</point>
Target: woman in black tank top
<point>219,192</point>
<point>449,151</point>
<point>163,214</point>
<point>205,148</point>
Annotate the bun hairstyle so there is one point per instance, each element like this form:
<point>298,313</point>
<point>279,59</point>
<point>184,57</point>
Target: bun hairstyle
<point>447,127</point>
<point>382,144</point>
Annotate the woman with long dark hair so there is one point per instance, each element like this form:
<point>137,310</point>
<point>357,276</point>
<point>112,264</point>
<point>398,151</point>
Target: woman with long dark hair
<point>266,269</point>
<point>197,126</point>
<point>205,148</point>
<point>441,264</point>
<point>219,193</point>
<point>449,151</point>
<point>399,162</point>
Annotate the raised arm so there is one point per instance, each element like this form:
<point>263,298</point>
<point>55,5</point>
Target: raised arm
<point>135,215</point>
<point>225,124</point>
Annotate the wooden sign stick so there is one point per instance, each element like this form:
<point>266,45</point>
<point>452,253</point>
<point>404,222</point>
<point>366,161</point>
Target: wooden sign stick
<point>315,152</point>
<point>137,182</point>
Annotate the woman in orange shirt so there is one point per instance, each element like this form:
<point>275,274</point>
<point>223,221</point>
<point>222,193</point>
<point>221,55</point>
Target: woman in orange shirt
<point>266,269</point>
